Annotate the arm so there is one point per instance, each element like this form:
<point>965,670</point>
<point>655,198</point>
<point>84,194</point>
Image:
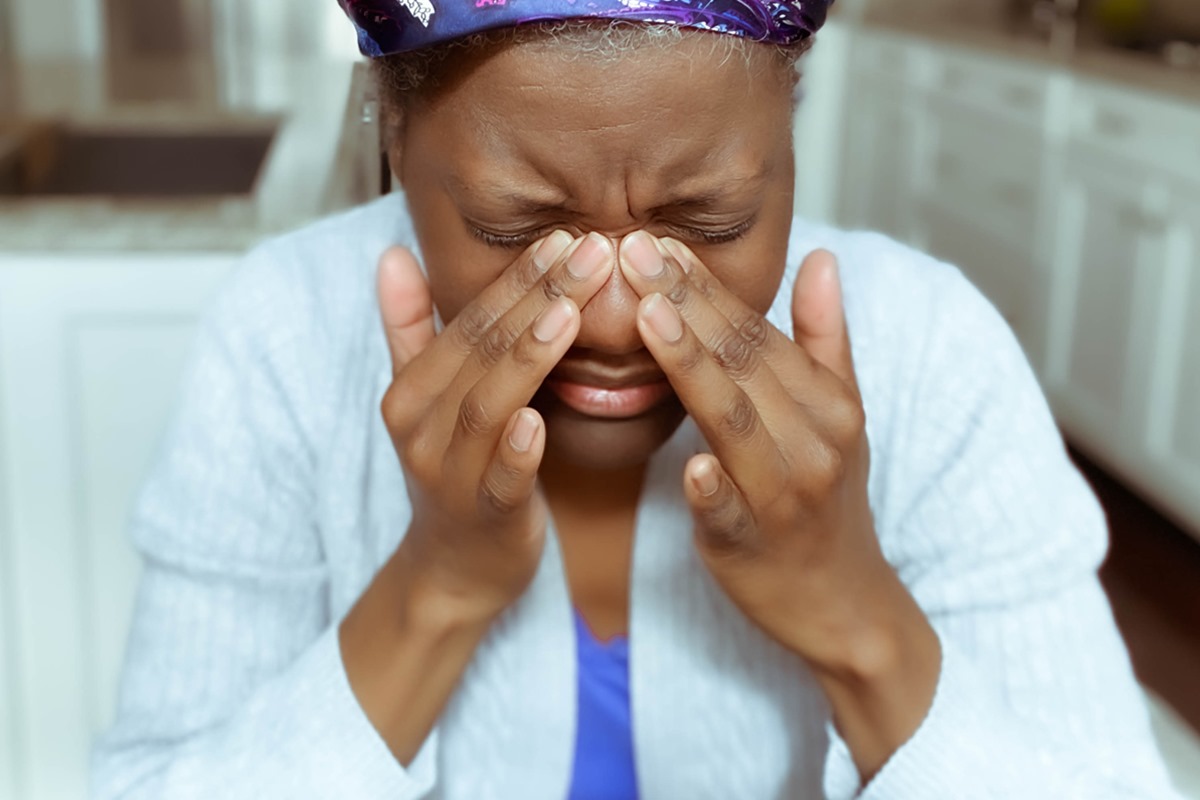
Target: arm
<point>233,684</point>
<point>998,540</point>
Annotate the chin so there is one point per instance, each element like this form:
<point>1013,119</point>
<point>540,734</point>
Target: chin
<point>606,445</point>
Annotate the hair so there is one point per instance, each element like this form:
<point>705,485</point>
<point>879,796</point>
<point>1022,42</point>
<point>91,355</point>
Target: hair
<point>417,75</point>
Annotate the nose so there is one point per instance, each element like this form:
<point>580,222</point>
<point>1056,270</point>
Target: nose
<point>608,321</point>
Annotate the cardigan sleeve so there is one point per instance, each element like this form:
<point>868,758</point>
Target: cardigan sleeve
<point>999,538</point>
<point>233,684</point>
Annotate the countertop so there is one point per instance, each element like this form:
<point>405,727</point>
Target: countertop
<point>318,105</point>
<point>1089,60</point>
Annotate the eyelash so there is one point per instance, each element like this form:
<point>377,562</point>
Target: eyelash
<point>519,240</point>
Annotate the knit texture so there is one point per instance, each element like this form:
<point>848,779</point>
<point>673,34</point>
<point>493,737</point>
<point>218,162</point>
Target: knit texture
<point>277,495</point>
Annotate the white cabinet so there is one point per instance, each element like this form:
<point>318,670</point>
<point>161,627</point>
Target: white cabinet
<point>1173,420</point>
<point>91,350</point>
<point>1074,206</point>
<point>980,209</point>
<point>1111,266</point>
<point>880,139</point>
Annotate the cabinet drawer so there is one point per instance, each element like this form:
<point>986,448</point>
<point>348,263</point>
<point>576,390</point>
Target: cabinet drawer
<point>1012,91</point>
<point>1146,129</point>
<point>987,173</point>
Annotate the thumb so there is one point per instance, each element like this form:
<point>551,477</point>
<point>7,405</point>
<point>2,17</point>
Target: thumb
<point>724,524</point>
<point>405,305</point>
<point>818,316</point>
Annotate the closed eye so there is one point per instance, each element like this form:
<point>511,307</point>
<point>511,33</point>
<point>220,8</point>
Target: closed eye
<point>709,236</point>
<point>512,241</point>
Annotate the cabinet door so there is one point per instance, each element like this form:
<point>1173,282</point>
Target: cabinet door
<point>90,354</point>
<point>1174,413</point>
<point>980,197</point>
<point>878,157</point>
<point>1109,278</point>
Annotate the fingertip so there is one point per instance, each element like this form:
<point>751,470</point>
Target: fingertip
<point>524,430</point>
<point>704,473</point>
<point>679,252</point>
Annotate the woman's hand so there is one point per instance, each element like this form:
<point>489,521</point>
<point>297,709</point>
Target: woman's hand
<point>470,447</point>
<point>457,413</point>
<point>781,510</point>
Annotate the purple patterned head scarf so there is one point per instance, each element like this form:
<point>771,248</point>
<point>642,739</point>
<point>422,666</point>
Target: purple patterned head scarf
<point>395,26</point>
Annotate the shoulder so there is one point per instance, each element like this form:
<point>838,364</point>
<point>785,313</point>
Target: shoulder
<point>311,283</point>
<point>917,325</point>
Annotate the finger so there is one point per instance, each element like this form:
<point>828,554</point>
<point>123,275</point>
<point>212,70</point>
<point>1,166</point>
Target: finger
<point>405,305</point>
<point>648,271</point>
<point>818,316</point>
<point>577,276</point>
<point>511,476</point>
<point>724,524</point>
<point>796,369</point>
<point>436,366</point>
<point>510,384</point>
<point>724,412</point>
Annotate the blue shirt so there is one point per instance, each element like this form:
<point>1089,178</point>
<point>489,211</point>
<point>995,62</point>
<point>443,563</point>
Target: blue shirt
<point>604,768</point>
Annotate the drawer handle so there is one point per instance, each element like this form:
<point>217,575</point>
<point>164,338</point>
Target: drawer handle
<point>1112,124</point>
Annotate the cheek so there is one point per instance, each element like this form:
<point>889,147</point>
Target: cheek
<point>752,273</point>
<point>457,277</point>
<point>459,267</point>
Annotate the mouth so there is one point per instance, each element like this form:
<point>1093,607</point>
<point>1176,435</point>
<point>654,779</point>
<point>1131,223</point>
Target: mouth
<point>608,394</point>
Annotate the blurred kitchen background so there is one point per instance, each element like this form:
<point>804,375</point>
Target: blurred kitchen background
<point>1051,149</point>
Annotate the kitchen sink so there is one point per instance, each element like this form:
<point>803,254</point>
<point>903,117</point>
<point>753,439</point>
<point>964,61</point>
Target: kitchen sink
<point>49,159</point>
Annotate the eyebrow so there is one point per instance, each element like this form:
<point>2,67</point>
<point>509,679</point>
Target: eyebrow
<point>554,202</point>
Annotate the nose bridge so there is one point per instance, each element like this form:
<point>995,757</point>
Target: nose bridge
<point>608,320</point>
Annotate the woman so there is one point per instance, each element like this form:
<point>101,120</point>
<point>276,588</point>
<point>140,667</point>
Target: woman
<point>654,513</point>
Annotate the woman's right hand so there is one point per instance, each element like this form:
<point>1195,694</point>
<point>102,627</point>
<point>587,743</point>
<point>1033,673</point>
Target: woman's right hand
<point>458,414</point>
<point>470,447</point>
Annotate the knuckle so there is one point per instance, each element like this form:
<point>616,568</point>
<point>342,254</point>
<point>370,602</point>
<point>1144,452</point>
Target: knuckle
<point>825,468</point>
<point>691,355</point>
<point>495,490</point>
<point>396,407</point>
<point>678,292</point>
<point>848,420</point>
<point>527,272</point>
<point>734,354</point>
<point>416,451</point>
<point>524,354</point>
<point>474,420</point>
<point>754,329</point>
<point>473,325</point>
<point>552,288</point>
<point>739,419</point>
<point>730,530</point>
<point>704,286</point>
<point>495,343</point>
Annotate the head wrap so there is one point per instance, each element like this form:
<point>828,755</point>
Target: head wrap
<point>395,26</point>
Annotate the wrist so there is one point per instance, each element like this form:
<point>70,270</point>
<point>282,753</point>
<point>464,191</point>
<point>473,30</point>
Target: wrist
<point>880,675</point>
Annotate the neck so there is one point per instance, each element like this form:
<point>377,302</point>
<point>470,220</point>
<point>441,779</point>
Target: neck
<point>576,491</point>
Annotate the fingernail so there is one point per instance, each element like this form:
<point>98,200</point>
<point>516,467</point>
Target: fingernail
<point>705,478</point>
<point>524,429</point>
<point>551,248</point>
<point>639,254</point>
<point>679,252</point>
<point>552,321</point>
<point>590,257</point>
<point>663,319</point>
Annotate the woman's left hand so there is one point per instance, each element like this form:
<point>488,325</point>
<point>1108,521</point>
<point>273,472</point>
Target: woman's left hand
<point>781,509</point>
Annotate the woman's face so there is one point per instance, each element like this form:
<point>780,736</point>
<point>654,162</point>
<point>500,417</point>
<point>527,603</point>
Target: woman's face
<point>674,140</point>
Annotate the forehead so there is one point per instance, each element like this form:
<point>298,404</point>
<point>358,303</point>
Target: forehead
<point>655,119</point>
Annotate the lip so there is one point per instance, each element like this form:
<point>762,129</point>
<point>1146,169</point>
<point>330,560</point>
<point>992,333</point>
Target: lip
<point>608,394</point>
